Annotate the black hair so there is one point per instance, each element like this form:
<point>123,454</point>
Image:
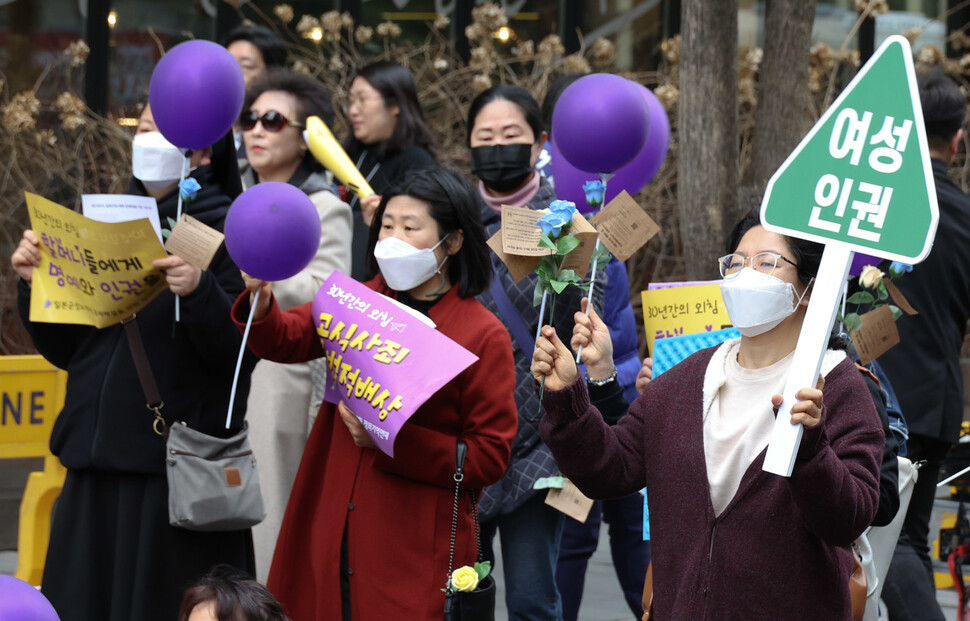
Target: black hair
<point>234,595</point>
<point>396,85</point>
<point>556,89</point>
<point>265,40</point>
<point>312,98</point>
<point>807,254</point>
<point>515,94</point>
<point>453,204</point>
<point>944,107</point>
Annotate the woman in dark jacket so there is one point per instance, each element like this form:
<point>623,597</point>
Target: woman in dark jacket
<point>389,137</point>
<point>113,554</point>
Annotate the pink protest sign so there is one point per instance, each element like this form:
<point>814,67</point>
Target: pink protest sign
<point>383,361</point>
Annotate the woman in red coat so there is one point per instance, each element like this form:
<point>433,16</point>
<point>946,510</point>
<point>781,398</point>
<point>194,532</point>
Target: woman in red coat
<point>366,536</point>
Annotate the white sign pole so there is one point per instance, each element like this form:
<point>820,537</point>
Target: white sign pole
<point>813,340</point>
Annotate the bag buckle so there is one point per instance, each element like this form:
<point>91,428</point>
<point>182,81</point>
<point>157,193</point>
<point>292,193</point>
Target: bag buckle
<point>159,426</point>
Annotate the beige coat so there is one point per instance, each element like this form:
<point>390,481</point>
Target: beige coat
<point>281,404</point>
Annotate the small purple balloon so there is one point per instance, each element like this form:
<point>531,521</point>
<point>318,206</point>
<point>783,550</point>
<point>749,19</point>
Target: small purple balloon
<point>272,231</point>
<point>633,177</point>
<point>859,261</point>
<point>196,94</point>
<point>20,601</point>
<point>600,123</point>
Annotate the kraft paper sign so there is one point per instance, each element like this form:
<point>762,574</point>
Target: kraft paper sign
<point>569,500</point>
<point>92,273</point>
<point>517,242</point>
<point>383,362</point>
<point>683,310</point>
<point>877,334</point>
<point>623,226</point>
<point>194,242</point>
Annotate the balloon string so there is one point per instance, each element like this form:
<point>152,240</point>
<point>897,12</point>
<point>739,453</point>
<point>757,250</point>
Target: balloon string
<point>178,216</point>
<point>242,351</point>
<point>604,177</point>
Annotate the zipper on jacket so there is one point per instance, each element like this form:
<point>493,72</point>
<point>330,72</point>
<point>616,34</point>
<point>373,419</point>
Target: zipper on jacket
<point>178,452</point>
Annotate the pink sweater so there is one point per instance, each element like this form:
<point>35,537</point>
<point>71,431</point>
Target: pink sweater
<point>780,550</point>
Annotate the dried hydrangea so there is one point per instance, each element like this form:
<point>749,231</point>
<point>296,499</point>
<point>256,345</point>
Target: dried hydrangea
<point>667,94</point>
<point>603,52</point>
<point>70,103</point>
<point>959,39</point>
<point>441,21</point>
<point>929,55</point>
<point>481,82</point>
<point>548,49</point>
<point>336,63</point>
<point>822,57</point>
<point>482,58</point>
<point>874,7</point>
<point>440,64</point>
<point>332,24</point>
<point>301,67</point>
<point>363,34</point>
<point>490,16</point>
<point>746,92</point>
<point>474,32</point>
<point>850,57</point>
<point>19,114</point>
<point>671,49</point>
<point>575,63</point>
<point>524,49</point>
<point>388,29</point>
<point>78,51</point>
<point>911,34</point>
<point>71,122</point>
<point>346,21</point>
<point>284,13</point>
<point>306,24</point>
<point>47,137</point>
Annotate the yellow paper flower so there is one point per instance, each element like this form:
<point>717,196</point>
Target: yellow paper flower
<point>464,579</point>
<point>870,277</point>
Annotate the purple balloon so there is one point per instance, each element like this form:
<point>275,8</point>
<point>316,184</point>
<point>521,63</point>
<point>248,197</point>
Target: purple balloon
<point>272,231</point>
<point>859,261</point>
<point>20,601</point>
<point>196,94</point>
<point>600,123</point>
<point>633,177</point>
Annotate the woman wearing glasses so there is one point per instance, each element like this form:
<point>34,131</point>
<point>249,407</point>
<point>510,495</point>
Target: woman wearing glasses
<point>281,404</point>
<point>389,137</point>
<point>728,539</point>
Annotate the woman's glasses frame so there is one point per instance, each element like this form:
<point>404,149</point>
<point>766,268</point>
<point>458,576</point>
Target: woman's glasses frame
<point>730,265</point>
<point>272,121</point>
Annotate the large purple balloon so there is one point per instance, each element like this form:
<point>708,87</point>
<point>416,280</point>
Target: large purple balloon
<point>600,123</point>
<point>272,231</point>
<point>196,94</point>
<point>632,177</point>
<point>20,601</point>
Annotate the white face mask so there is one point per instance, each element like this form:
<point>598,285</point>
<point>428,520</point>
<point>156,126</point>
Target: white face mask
<point>757,302</point>
<point>155,161</point>
<point>403,266</point>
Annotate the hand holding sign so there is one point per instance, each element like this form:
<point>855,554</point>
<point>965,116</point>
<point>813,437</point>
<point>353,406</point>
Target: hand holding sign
<point>859,181</point>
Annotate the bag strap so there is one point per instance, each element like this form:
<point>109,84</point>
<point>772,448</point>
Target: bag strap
<point>513,320</point>
<point>461,450</point>
<point>153,400</point>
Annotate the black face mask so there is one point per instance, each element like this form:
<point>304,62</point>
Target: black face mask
<point>502,167</point>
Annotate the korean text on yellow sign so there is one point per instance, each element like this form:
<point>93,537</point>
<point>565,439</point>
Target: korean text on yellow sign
<point>683,310</point>
<point>92,273</point>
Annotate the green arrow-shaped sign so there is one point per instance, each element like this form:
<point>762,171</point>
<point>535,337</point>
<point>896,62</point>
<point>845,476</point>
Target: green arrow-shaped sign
<point>862,175</point>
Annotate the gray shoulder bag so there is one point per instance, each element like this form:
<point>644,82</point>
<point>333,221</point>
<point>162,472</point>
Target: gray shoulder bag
<point>213,484</point>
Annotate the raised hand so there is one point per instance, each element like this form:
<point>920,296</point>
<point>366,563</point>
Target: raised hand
<point>27,255</point>
<point>593,336</point>
<point>553,361</point>
<point>265,290</point>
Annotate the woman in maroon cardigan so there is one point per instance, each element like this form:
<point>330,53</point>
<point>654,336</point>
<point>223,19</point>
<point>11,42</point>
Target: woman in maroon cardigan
<point>366,536</point>
<point>729,540</point>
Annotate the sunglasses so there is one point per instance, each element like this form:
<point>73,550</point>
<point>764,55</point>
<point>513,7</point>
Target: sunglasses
<point>272,121</point>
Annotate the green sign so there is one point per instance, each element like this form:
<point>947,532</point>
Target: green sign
<point>862,175</point>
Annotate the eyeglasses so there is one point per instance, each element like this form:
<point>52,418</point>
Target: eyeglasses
<point>272,121</point>
<point>764,262</point>
<point>360,100</point>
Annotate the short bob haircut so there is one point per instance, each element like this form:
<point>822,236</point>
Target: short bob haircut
<point>453,204</point>
<point>234,596</point>
<point>312,99</point>
<point>268,44</point>
<point>396,85</point>
<point>807,254</point>
<point>515,94</point>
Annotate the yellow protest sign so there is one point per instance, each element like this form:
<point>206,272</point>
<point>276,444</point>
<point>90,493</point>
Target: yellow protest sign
<point>92,273</point>
<point>683,310</point>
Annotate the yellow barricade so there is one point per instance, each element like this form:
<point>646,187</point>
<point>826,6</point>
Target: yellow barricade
<point>31,395</point>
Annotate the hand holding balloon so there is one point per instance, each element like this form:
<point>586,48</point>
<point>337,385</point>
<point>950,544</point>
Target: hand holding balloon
<point>261,292</point>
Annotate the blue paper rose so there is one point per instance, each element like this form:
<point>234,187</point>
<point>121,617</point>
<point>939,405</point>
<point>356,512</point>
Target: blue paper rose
<point>188,188</point>
<point>566,208</point>
<point>898,268</point>
<point>552,222</point>
<point>595,190</point>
